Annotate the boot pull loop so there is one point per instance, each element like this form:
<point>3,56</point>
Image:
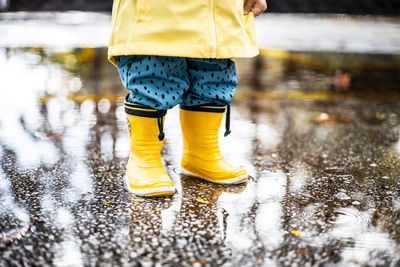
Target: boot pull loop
<point>228,121</point>
<point>160,121</point>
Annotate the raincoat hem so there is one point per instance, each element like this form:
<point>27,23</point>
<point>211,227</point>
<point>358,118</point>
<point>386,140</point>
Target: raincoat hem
<point>174,50</point>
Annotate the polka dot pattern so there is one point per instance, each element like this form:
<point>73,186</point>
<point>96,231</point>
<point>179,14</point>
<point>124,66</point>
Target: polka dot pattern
<point>162,82</point>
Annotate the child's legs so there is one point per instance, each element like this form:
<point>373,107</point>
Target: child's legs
<point>212,81</point>
<point>154,81</point>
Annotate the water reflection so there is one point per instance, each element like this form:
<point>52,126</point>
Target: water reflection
<point>15,218</point>
<point>324,188</point>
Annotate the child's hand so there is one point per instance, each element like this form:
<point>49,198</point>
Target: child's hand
<point>255,6</point>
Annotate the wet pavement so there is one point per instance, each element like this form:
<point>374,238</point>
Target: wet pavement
<point>319,133</point>
<point>323,154</point>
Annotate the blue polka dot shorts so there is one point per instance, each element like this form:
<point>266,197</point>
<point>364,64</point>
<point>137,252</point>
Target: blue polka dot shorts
<point>161,82</point>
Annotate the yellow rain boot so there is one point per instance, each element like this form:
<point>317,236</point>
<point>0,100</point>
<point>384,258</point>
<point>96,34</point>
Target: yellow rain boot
<point>145,174</point>
<point>201,155</point>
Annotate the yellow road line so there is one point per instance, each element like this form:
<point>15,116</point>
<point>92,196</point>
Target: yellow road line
<point>243,95</point>
<point>308,59</point>
<point>83,97</point>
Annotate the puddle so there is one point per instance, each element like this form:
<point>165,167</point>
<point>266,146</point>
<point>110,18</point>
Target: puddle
<point>317,132</point>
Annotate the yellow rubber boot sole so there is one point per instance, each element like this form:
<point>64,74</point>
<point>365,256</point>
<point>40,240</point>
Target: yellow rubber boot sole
<point>201,154</point>
<point>145,173</point>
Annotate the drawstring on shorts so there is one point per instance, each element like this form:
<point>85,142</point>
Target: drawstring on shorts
<point>228,121</point>
<point>160,122</point>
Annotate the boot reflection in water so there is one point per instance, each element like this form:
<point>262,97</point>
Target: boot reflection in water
<point>201,221</point>
<point>147,236</point>
<point>181,231</point>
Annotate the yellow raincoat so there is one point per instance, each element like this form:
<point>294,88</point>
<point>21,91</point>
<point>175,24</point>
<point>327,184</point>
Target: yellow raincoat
<point>182,28</point>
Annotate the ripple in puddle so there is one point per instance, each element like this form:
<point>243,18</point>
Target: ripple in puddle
<point>346,225</point>
<point>318,214</point>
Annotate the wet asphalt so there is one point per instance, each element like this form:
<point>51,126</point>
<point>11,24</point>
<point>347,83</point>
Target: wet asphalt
<point>318,133</point>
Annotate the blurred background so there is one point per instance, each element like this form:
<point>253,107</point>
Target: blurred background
<point>376,7</point>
